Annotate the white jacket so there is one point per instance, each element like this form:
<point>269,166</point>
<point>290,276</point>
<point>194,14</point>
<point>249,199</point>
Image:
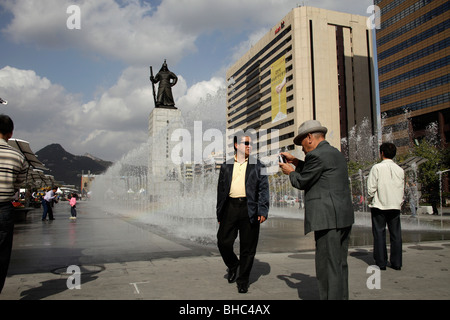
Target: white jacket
<point>386,185</point>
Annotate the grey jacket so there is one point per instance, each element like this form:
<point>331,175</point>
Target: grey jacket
<point>324,177</point>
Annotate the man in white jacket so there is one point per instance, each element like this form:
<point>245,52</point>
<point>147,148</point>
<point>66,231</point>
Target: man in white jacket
<point>385,187</point>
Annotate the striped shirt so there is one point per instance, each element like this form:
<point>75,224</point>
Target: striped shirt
<point>13,170</point>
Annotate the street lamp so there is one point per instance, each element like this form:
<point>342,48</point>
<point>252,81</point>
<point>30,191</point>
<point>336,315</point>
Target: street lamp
<point>440,185</point>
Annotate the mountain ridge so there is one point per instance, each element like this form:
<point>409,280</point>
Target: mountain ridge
<point>67,168</point>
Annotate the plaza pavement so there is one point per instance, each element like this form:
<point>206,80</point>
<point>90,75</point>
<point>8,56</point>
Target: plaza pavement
<point>120,259</point>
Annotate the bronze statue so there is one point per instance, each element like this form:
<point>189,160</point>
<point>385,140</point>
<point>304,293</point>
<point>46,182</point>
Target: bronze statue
<point>167,80</point>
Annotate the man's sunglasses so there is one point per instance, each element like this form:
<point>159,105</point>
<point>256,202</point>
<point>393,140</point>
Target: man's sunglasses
<point>247,143</point>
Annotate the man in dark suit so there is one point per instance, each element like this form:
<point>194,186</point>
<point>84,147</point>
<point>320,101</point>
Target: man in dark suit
<point>328,205</point>
<point>242,205</point>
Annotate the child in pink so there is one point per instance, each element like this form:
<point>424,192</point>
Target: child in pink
<point>73,210</point>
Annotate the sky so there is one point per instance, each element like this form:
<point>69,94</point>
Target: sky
<point>81,78</point>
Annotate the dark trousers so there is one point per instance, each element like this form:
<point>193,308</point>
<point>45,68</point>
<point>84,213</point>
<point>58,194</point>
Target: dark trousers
<point>331,263</point>
<point>73,211</point>
<point>379,220</point>
<point>47,209</point>
<point>236,220</point>
<point>6,239</point>
<point>434,206</point>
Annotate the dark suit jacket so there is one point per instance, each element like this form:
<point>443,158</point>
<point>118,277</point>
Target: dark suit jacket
<point>324,177</point>
<point>256,189</point>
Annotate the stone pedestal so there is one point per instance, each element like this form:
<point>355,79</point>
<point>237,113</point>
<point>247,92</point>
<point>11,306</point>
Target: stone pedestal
<point>163,173</point>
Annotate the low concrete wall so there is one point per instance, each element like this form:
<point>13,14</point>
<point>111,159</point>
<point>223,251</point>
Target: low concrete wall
<point>425,210</point>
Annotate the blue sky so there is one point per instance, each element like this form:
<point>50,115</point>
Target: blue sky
<point>89,89</point>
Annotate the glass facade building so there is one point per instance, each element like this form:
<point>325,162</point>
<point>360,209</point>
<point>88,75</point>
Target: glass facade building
<point>413,68</point>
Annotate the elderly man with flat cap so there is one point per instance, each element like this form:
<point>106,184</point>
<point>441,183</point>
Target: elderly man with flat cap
<point>329,212</point>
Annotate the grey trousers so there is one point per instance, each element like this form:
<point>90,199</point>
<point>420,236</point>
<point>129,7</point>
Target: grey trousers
<point>331,263</point>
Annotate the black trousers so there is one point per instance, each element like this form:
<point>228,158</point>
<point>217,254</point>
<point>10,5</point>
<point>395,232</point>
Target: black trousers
<point>379,220</point>
<point>6,239</point>
<point>47,206</point>
<point>236,221</point>
<point>331,263</point>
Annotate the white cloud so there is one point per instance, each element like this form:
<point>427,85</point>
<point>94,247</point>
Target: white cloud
<point>38,108</point>
<point>137,34</point>
<point>46,113</point>
<point>205,101</point>
<point>200,90</point>
<point>127,33</point>
<point>108,126</point>
<point>134,31</point>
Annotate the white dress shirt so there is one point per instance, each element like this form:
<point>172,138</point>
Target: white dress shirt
<point>385,186</point>
<point>49,196</point>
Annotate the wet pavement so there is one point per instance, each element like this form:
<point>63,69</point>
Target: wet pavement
<point>122,258</point>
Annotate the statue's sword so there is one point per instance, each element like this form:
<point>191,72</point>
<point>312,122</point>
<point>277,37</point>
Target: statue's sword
<point>153,85</point>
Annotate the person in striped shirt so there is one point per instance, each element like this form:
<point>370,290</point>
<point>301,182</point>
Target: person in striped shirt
<point>13,169</point>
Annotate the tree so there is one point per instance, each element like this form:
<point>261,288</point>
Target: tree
<point>438,156</point>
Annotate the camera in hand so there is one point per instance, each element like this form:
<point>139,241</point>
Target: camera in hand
<point>281,158</point>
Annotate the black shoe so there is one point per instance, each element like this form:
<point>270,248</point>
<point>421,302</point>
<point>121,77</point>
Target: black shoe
<point>232,273</point>
<point>382,268</point>
<point>242,287</point>
<point>396,268</point>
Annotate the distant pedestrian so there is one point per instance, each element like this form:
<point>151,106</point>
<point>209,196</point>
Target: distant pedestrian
<point>73,208</point>
<point>385,187</point>
<point>12,173</point>
<point>434,199</point>
<point>412,193</point>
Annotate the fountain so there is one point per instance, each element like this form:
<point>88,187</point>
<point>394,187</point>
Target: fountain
<point>362,146</point>
<point>189,213</point>
<point>126,189</point>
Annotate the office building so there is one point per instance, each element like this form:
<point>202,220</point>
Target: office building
<point>313,64</point>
